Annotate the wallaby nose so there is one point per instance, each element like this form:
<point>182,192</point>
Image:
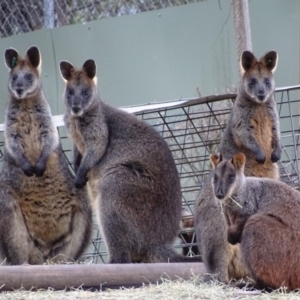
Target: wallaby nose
<point>261,95</point>
<point>76,109</point>
<point>19,91</point>
<point>220,195</point>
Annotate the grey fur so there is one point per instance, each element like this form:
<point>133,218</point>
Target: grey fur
<point>132,178</point>
<point>42,214</point>
<point>252,128</point>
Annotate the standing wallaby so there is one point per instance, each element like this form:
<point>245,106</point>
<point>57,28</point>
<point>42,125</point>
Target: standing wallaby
<point>253,125</point>
<point>265,219</point>
<point>132,178</point>
<point>252,128</point>
<point>42,214</point>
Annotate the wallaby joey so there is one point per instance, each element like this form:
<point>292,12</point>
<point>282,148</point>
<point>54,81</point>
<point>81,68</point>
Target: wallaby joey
<point>42,215</point>
<point>252,128</point>
<point>264,215</point>
<point>132,178</point>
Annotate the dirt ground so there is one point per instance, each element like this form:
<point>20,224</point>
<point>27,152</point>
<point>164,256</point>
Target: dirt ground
<point>168,290</point>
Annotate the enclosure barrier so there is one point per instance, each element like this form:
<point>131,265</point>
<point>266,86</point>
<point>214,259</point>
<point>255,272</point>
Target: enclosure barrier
<point>60,277</point>
<point>193,128</point>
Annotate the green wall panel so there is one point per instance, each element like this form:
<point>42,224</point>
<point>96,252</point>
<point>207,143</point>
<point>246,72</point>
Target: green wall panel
<point>165,54</point>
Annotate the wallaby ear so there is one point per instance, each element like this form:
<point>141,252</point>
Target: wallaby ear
<point>215,159</point>
<point>11,57</point>
<point>66,70</point>
<point>239,161</point>
<point>33,56</point>
<point>270,60</point>
<point>247,61</point>
<point>89,67</point>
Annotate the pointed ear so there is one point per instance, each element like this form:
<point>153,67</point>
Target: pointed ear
<point>239,161</point>
<point>33,56</point>
<point>270,60</point>
<point>247,61</point>
<point>215,159</point>
<point>89,67</point>
<point>11,58</point>
<point>66,70</point>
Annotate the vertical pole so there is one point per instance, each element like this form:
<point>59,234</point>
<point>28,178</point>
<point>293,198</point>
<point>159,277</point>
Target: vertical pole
<point>48,13</point>
<point>242,26</point>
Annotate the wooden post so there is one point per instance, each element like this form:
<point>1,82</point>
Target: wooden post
<point>242,26</point>
<point>61,277</point>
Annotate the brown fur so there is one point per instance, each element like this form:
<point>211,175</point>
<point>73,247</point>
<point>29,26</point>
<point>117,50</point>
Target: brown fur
<point>42,215</point>
<point>267,227</point>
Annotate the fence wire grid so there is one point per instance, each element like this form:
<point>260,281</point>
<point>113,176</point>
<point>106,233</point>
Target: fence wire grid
<point>193,129</point>
<point>20,16</point>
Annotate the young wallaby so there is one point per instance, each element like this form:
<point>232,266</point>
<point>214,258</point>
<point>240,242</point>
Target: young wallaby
<point>253,125</point>
<point>265,219</point>
<point>42,214</point>
<point>252,128</point>
<point>131,175</point>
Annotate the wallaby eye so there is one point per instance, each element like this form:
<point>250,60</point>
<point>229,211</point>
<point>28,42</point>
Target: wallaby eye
<point>252,82</point>
<point>14,77</point>
<point>86,92</point>
<point>231,178</point>
<point>267,81</point>
<point>29,77</point>
<point>70,92</point>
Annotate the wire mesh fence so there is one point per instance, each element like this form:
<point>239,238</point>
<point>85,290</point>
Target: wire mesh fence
<point>20,16</point>
<point>193,128</point>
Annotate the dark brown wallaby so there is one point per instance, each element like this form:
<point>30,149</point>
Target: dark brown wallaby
<point>132,178</point>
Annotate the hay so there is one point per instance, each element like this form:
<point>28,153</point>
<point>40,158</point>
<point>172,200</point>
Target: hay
<point>194,288</point>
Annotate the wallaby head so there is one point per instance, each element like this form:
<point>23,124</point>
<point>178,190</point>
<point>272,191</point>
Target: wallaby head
<point>258,80</point>
<point>24,76</point>
<point>81,86</point>
<point>228,175</point>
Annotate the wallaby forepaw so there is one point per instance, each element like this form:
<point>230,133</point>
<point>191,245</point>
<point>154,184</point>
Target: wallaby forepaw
<point>28,169</point>
<point>40,169</point>
<point>261,158</point>
<point>80,182</point>
<point>276,155</point>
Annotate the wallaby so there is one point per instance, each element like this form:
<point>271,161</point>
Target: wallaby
<point>42,214</point>
<point>252,128</point>
<point>265,219</point>
<point>132,178</point>
<point>253,125</point>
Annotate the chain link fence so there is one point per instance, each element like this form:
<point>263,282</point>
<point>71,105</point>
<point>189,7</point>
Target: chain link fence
<point>20,16</point>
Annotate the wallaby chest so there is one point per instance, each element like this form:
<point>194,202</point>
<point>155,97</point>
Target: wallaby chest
<point>47,214</point>
<point>262,127</point>
<point>77,132</point>
<point>25,125</point>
